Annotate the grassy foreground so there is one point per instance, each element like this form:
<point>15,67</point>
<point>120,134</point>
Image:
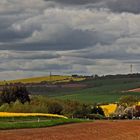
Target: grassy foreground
<point>4,125</point>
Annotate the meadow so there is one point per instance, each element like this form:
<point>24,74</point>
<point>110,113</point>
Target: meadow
<point>20,123</point>
<point>101,90</point>
<point>97,91</point>
<point>33,120</point>
<point>69,100</point>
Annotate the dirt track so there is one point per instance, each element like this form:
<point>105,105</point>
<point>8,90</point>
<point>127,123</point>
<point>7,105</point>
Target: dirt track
<point>100,130</point>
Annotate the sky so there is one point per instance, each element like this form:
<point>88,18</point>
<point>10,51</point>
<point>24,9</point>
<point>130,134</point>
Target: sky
<point>68,37</point>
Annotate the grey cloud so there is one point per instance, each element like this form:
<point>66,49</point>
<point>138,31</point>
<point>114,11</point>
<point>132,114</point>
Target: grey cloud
<point>76,2</point>
<point>66,37</point>
<point>29,55</point>
<point>131,6</point>
<point>68,40</point>
<point>32,65</point>
<point>10,36</point>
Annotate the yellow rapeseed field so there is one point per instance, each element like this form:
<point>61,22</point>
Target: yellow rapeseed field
<point>109,109</point>
<point>53,78</point>
<point>7,114</point>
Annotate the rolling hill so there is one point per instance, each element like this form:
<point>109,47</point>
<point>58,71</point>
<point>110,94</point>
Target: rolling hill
<point>52,79</point>
<point>101,90</point>
<point>97,90</point>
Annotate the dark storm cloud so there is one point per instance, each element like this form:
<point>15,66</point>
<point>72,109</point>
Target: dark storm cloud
<point>72,39</point>
<point>75,2</point>
<point>131,6</point>
<point>69,40</point>
<point>7,35</point>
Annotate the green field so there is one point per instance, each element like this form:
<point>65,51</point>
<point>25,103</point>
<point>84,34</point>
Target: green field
<point>100,91</point>
<point>19,123</point>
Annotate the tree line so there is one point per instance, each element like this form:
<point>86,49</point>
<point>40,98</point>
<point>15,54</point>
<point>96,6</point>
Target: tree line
<point>12,93</point>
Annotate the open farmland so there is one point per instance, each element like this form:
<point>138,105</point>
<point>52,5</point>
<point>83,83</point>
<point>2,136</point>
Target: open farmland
<point>134,90</point>
<point>83,90</point>
<point>98,130</point>
<point>53,79</point>
<point>99,91</point>
<point>33,120</point>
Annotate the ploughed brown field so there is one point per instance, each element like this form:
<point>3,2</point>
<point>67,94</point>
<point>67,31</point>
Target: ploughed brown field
<point>134,90</point>
<point>98,130</point>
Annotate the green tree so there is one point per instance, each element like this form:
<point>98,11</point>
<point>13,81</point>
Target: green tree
<point>12,93</point>
<point>55,108</point>
<point>22,94</point>
<point>7,95</point>
<point>82,111</point>
<point>128,100</point>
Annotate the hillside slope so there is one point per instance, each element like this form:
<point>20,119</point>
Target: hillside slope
<point>53,78</point>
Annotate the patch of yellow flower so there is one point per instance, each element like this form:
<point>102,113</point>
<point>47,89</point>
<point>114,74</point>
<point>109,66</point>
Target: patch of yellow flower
<point>7,114</point>
<point>53,78</point>
<point>109,109</point>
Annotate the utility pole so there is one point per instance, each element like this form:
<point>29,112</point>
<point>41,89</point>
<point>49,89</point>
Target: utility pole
<point>50,76</point>
<point>131,68</point>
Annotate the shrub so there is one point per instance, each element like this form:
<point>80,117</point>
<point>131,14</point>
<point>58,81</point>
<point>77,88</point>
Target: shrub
<point>82,111</point>
<point>97,110</point>
<point>95,116</point>
<point>4,107</point>
<point>39,104</point>
<point>55,108</point>
<point>69,107</point>
<point>137,114</point>
<point>128,100</point>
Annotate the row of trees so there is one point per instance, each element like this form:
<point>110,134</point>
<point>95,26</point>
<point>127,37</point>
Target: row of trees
<point>12,93</point>
<point>17,99</point>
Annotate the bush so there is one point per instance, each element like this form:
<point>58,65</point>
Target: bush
<point>55,108</point>
<point>137,114</point>
<point>95,116</point>
<point>128,100</point>
<point>69,107</point>
<point>39,104</point>
<point>82,111</point>
<point>97,110</point>
<point>4,107</point>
